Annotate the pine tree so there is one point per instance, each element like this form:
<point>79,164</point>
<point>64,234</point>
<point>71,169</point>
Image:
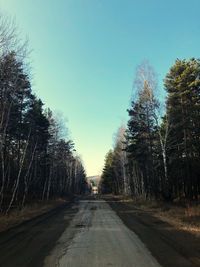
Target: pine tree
<point>182,84</point>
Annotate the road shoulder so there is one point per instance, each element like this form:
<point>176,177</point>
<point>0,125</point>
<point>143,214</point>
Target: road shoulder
<point>27,244</point>
<point>171,247</point>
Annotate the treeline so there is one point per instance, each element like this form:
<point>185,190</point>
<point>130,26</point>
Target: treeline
<point>36,163</point>
<point>158,154</point>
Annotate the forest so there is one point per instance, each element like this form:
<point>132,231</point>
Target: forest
<point>36,161</point>
<point>157,154</point>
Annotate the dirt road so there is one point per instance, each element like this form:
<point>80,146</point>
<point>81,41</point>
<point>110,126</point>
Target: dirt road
<point>91,233</point>
<point>27,245</point>
<point>97,237</point>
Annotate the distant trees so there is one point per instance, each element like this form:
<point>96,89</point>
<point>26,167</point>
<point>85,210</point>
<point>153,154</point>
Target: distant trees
<point>35,162</point>
<point>114,177</point>
<point>163,153</point>
<point>108,179</point>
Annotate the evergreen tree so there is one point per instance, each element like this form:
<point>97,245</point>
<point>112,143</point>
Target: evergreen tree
<point>182,84</point>
<point>108,181</point>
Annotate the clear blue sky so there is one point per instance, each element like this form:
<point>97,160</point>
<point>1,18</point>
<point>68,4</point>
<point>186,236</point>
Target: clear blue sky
<point>85,53</point>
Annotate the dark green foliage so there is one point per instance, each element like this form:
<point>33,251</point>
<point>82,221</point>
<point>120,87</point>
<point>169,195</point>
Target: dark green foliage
<point>108,179</point>
<point>163,154</point>
<point>182,84</point>
<point>114,177</point>
<point>35,163</point>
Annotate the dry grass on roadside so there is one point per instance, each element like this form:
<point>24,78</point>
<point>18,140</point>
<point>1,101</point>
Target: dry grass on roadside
<point>29,211</point>
<point>186,218</point>
<point>182,216</point>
